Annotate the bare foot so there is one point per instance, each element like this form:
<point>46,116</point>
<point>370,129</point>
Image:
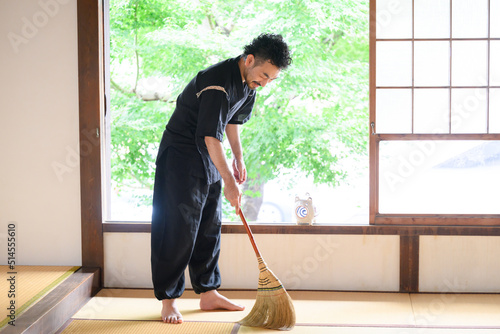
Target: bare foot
<point>170,313</point>
<point>212,300</point>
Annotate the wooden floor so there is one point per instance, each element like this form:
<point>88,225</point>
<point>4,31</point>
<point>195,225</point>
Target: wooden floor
<point>115,310</point>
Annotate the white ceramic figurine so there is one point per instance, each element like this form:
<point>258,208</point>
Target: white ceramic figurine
<point>305,211</point>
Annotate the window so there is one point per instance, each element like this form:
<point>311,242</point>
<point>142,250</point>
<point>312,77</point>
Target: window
<point>435,144</point>
<point>307,133</point>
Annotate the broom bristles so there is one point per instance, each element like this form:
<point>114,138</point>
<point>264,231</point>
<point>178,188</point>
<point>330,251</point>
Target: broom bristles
<point>273,306</point>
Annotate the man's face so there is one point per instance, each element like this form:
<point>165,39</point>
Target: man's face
<point>259,75</point>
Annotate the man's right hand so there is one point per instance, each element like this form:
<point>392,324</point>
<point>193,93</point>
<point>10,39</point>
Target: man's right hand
<point>233,195</point>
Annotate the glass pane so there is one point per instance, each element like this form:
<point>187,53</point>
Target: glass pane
<point>495,110</point>
<point>439,177</point>
<point>340,204</point>
<point>393,111</point>
<point>468,110</point>
<point>394,19</point>
<point>432,111</point>
<point>432,19</point>
<point>394,64</point>
<point>469,63</point>
<point>470,19</point>
<point>495,63</point>
<point>494,21</point>
<point>432,63</point>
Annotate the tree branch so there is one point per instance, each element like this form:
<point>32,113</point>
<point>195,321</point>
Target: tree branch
<point>210,21</point>
<point>214,24</point>
<point>119,88</point>
<point>135,49</point>
<point>122,90</point>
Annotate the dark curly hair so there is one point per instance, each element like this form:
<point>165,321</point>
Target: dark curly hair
<point>269,47</point>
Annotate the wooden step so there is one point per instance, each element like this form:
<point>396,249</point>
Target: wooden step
<point>54,309</point>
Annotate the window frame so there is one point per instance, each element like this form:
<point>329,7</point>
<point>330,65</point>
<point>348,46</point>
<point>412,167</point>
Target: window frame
<point>375,217</point>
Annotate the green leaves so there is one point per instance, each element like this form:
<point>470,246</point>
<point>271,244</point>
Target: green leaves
<point>134,138</point>
<point>312,119</point>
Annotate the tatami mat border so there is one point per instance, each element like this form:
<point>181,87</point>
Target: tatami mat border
<point>235,329</point>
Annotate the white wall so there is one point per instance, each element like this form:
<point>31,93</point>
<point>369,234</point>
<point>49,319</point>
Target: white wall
<point>462,264</point>
<point>39,169</point>
<point>309,262</point>
<point>459,264</point>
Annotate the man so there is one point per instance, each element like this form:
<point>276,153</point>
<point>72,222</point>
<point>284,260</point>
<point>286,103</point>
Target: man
<point>186,222</point>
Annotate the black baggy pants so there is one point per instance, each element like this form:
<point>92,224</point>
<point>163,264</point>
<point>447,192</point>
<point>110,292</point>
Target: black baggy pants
<point>185,228</point>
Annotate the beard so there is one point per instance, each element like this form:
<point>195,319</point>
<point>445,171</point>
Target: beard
<point>254,85</point>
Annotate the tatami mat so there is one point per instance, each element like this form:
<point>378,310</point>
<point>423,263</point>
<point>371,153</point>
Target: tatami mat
<point>457,309</point>
<point>25,285</point>
<point>368,330</point>
<point>123,304</point>
<point>153,327</point>
<point>321,312</point>
<point>352,308</point>
<point>311,307</point>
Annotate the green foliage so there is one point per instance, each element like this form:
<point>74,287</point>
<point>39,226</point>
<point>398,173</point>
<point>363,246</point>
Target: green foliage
<point>310,119</point>
<point>135,139</point>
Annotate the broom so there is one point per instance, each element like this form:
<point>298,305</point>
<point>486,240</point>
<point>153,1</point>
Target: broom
<point>273,306</point>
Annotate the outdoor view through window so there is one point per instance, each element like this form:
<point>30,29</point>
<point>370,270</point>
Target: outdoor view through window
<point>309,129</point>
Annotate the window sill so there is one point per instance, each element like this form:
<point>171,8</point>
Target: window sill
<point>405,230</point>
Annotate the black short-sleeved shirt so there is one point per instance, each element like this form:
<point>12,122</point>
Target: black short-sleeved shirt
<point>214,98</point>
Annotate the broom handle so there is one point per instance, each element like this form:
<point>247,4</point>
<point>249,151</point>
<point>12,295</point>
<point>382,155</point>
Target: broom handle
<point>249,232</point>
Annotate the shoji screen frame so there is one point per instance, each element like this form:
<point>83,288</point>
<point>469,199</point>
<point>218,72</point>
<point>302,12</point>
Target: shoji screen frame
<point>376,218</point>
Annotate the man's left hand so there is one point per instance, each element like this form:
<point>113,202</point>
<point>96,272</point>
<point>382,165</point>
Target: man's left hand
<point>239,171</point>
